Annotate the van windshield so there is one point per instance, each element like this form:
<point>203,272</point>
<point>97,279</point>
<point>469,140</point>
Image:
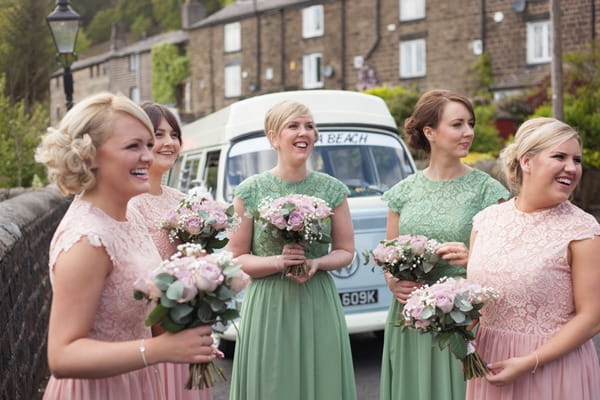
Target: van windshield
<point>369,163</point>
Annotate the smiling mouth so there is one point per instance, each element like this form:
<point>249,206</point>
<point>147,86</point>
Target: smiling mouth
<point>301,145</point>
<point>140,172</point>
<point>166,153</point>
<point>564,181</point>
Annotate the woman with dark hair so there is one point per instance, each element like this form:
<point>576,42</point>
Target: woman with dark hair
<point>153,206</point>
<point>438,202</point>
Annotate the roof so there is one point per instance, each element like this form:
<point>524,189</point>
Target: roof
<point>244,8</point>
<point>140,46</point>
<point>247,116</point>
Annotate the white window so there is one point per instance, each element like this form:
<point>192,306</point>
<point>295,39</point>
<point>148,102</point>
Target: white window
<point>312,21</point>
<point>233,38</point>
<point>412,58</point>
<point>134,94</point>
<point>412,9</point>
<point>539,45</point>
<point>133,62</point>
<point>233,80</point>
<point>311,71</point>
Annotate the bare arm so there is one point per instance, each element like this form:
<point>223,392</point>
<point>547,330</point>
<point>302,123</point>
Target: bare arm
<point>77,291</point>
<point>400,289</point>
<point>582,327</point>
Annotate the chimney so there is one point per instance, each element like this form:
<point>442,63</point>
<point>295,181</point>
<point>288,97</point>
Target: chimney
<point>191,12</point>
<point>116,39</point>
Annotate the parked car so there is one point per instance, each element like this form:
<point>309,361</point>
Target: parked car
<point>358,144</point>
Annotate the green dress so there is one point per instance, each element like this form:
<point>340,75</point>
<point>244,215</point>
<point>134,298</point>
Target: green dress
<point>292,343</point>
<point>412,368</point>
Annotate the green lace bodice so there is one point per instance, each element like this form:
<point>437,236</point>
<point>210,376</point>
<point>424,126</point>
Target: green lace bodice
<point>443,210</point>
<point>257,187</point>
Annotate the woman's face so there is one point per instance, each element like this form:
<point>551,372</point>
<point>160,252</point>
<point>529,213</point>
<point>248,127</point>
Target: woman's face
<point>166,147</point>
<point>296,139</point>
<point>123,160</point>
<point>554,172</point>
<point>454,133</point>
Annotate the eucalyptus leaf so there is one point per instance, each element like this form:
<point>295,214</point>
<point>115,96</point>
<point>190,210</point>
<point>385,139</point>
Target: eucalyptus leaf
<point>205,313</point>
<point>458,345</point>
<point>163,281</point>
<point>457,316</point>
<point>175,290</point>
<point>171,326</point>
<point>181,313</point>
<point>166,302</point>
<point>156,315</point>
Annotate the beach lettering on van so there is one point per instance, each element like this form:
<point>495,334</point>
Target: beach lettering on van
<point>343,138</point>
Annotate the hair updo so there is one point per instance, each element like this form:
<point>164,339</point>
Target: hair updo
<point>282,112</point>
<point>532,137</point>
<point>428,112</point>
<point>69,151</point>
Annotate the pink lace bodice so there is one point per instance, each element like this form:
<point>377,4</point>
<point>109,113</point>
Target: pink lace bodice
<point>154,209</point>
<point>524,256</point>
<point>119,316</point>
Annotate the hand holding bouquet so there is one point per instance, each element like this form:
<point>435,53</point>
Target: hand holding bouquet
<point>447,309</point>
<point>198,219</point>
<point>192,289</point>
<point>407,258</point>
<point>296,218</point>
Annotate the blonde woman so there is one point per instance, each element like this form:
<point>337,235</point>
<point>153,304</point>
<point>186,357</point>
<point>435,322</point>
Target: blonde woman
<point>540,252</point>
<point>293,343</point>
<point>98,345</point>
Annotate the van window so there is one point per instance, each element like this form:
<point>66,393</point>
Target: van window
<point>369,163</point>
<point>211,169</point>
<point>189,173</point>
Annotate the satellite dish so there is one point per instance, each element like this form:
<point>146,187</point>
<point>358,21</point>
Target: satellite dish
<point>519,5</point>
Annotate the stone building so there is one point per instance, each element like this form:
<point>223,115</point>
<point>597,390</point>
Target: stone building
<point>259,46</point>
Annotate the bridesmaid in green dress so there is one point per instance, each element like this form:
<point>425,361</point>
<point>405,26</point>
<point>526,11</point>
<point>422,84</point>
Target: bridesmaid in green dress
<point>438,202</point>
<point>292,343</point>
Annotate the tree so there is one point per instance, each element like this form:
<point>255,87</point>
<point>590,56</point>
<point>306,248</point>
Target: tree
<point>169,69</point>
<point>20,131</point>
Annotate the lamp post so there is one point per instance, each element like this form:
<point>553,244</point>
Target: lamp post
<point>64,24</point>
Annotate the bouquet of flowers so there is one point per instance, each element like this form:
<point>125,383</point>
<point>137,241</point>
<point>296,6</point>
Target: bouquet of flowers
<point>296,218</point>
<point>449,310</point>
<point>198,219</point>
<point>193,289</point>
<point>408,258</point>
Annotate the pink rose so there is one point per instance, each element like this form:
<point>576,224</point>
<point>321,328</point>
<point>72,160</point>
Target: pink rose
<point>193,224</point>
<point>239,281</point>
<point>417,245</point>
<point>208,277</point>
<point>322,211</point>
<point>296,221</point>
<point>186,277</point>
<point>279,221</point>
<point>171,220</point>
<point>444,301</point>
<point>403,239</point>
<point>147,287</point>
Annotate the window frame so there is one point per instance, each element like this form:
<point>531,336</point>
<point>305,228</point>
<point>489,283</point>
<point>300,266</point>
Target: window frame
<point>232,37</point>
<point>412,71</point>
<point>134,94</point>
<point>532,42</point>
<point>411,10</point>
<point>227,90</point>
<point>312,71</point>
<point>134,62</point>
<point>313,21</point>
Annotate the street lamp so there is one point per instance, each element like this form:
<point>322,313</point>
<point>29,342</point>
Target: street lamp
<point>64,24</point>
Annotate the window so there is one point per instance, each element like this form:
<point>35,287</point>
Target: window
<point>233,39</point>
<point>133,62</point>
<point>134,94</point>
<point>412,9</point>
<point>539,45</point>
<point>311,71</point>
<point>211,168</point>
<point>312,21</point>
<point>412,58</point>
<point>233,80</point>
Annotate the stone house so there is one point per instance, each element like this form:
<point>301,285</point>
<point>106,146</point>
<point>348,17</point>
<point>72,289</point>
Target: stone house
<point>259,46</point>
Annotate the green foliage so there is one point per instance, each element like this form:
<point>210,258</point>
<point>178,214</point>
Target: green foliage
<point>99,29</point>
<point>399,100</point>
<point>482,68</point>
<point>169,69</point>
<point>487,139</point>
<point>20,132</point>
<point>141,27</point>
<point>167,13</point>
<point>83,42</point>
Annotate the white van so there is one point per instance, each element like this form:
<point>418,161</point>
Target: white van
<point>358,145</point>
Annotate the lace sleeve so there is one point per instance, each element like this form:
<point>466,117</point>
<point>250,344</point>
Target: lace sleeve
<point>336,191</point>
<point>395,197</point>
<point>247,191</point>
<point>483,217</point>
<point>584,225</point>
<point>493,192</point>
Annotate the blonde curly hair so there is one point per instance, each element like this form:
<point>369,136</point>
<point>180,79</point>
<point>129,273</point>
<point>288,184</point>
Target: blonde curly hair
<point>532,137</point>
<point>69,151</point>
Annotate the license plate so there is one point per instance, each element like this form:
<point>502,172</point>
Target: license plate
<point>359,297</point>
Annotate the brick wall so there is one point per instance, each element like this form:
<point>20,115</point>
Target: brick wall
<point>27,223</point>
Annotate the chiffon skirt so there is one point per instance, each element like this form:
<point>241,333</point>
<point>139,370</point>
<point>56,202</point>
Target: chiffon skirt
<point>175,376</point>
<point>573,376</point>
<point>142,384</point>
<point>412,368</point>
<point>293,343</point>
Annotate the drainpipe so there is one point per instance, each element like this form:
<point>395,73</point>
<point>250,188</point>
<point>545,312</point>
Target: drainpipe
<point>258,58</point>
<point>482,24</point>
<point>593,19</point>
<point>282,46</point>
<point>343,44</point>
<point>211,62</point>
<point>377,30</point>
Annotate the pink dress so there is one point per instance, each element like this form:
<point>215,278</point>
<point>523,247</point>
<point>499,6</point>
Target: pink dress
<point>119,316</point>
<point>524,257</point>
<point>154,209</point>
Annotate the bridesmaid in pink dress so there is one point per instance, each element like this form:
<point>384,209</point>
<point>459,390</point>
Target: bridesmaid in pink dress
<point>98,345</point>
<point>540,252</point>
<point>154,206</point>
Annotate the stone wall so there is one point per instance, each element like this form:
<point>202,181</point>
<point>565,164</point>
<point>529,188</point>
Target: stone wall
<point>27,223</point>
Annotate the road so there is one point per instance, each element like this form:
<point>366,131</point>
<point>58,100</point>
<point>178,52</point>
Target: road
<point>366,354</point>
